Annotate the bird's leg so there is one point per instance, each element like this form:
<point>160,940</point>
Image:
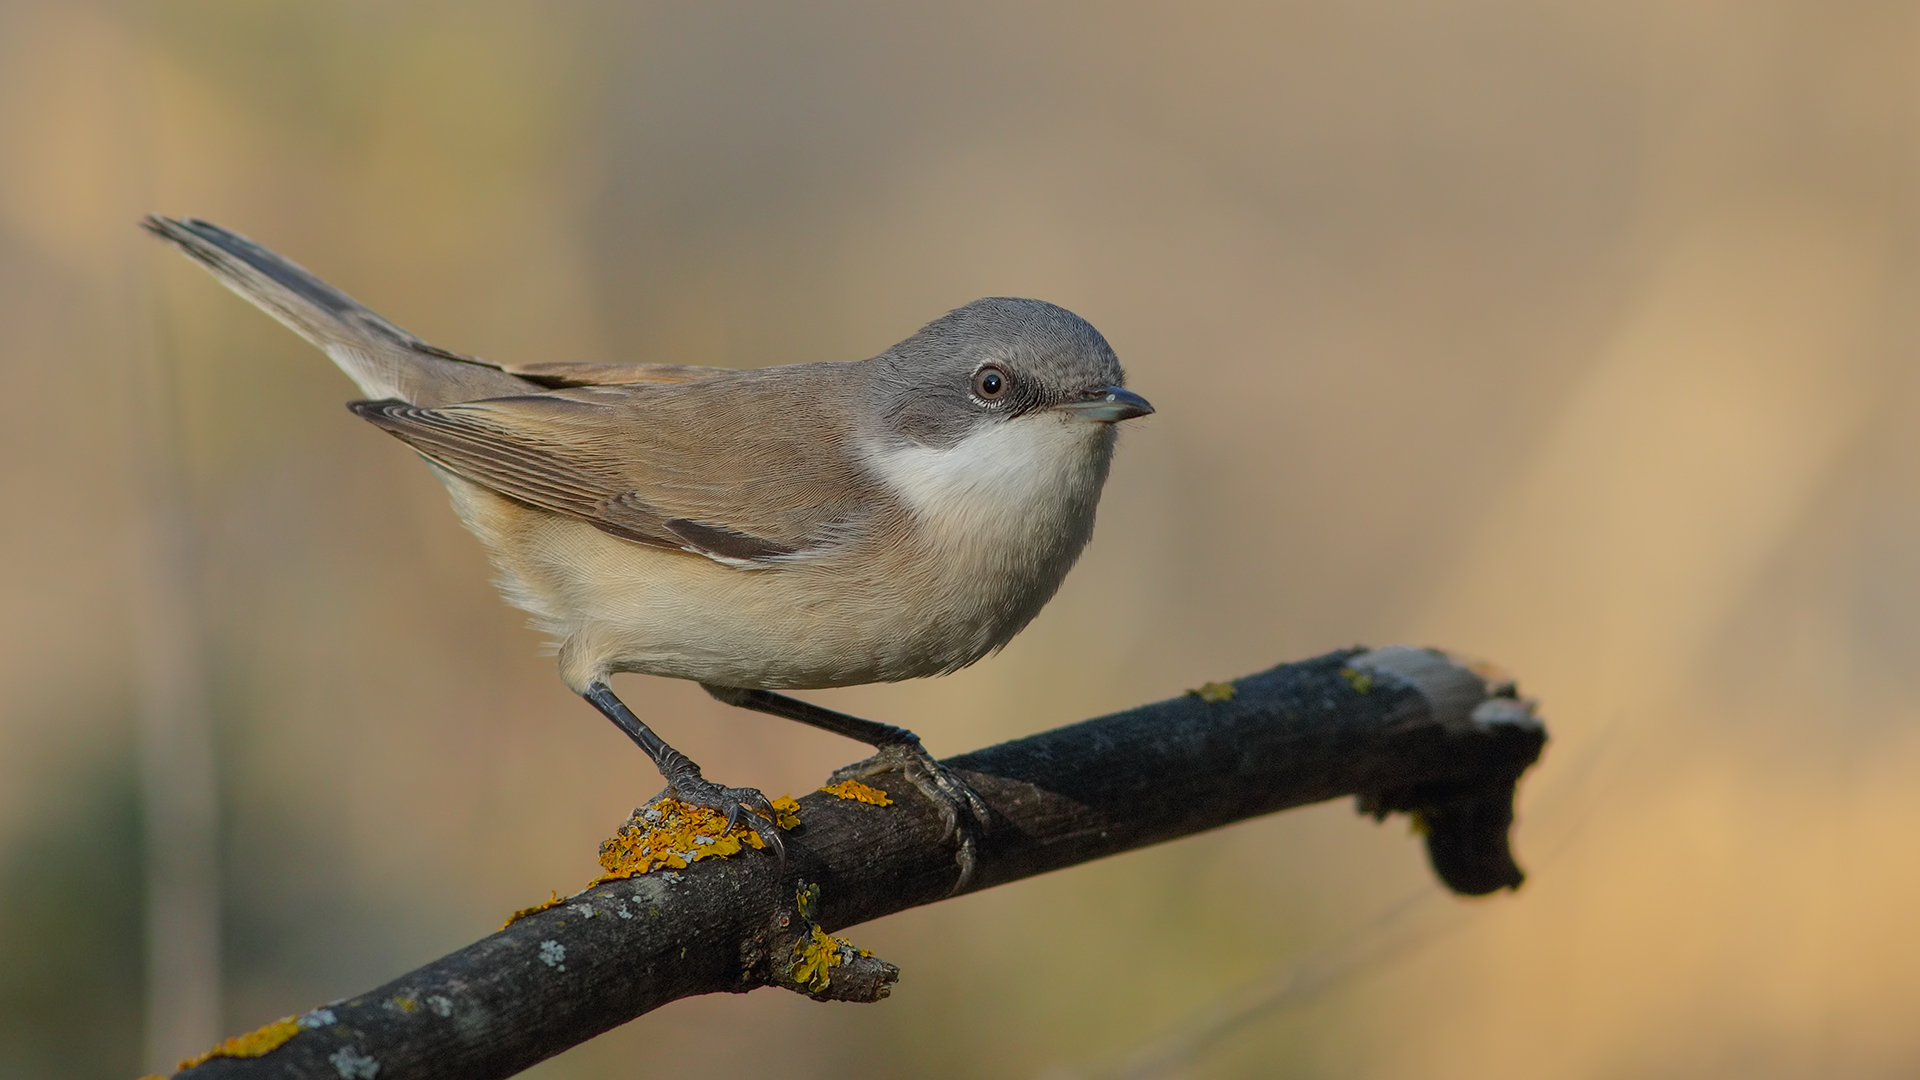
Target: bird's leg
<point>684,781</point>
<point>962,812</point>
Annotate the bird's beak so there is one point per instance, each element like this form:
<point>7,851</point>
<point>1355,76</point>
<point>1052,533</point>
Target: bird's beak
<point>1108,405</point>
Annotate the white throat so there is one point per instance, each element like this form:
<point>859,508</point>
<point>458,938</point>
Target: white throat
<point>1012,489</point>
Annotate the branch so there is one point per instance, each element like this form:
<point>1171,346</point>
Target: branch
<point>1402,729</point>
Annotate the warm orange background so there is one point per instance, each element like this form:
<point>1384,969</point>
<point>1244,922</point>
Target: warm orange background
<point>1578,336</point>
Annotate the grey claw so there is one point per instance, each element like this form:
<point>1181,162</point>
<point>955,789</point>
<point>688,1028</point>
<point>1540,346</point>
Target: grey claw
<point>963,814</point>
<point>966,858</point>
<point>739,804</point>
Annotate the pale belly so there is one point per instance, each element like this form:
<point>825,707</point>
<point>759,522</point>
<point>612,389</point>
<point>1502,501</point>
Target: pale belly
<point>612,605</point>
<point>981,540</point>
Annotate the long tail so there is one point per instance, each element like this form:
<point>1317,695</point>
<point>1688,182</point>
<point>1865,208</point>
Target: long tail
<point>386,361</point>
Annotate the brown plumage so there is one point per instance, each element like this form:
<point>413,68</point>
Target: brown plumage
<point>801,526</point>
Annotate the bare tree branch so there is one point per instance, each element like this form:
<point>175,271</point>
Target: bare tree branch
<point>1402,729</point>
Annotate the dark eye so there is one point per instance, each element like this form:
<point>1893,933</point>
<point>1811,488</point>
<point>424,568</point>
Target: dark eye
<point>990,382</point>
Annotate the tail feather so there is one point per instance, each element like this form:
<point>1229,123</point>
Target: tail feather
<point>384,360</point>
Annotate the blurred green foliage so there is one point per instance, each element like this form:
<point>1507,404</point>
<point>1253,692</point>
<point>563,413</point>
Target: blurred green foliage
<point>70,934</point>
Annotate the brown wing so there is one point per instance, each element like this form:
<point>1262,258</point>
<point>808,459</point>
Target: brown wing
<point>742,467</point>
<point>556,374</point>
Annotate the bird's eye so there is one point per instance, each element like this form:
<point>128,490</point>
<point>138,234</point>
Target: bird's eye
<point>990,382</point>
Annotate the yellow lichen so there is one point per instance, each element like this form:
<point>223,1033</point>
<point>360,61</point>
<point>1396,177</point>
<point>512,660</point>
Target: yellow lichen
<point>818,954</point>
<point>786,812</point>
<point>251,1045</point>
<point>819,951</point>
<point>676,834</point>
<point>404,1004</point>
<point>553,901</point>
<point>669,834</point>
<point>1359,680</point>
<point>1214,692</point>
<point>858,792</point>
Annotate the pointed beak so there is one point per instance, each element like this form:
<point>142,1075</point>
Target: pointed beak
<point>1109,404</point>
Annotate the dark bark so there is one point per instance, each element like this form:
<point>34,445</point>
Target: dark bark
<point>1401,729</point>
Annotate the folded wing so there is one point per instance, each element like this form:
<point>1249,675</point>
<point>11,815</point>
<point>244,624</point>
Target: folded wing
<point>744,468</point>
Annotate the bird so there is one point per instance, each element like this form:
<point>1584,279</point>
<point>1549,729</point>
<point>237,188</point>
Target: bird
<point>796,526</point>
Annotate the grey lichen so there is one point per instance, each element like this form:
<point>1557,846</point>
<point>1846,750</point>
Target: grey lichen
<point>351,1064</point>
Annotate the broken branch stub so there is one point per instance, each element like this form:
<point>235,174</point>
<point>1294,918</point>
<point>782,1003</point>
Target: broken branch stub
<point>1402,729</point>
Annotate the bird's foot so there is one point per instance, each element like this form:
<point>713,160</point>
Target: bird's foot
<point>739,804</point>
<point>963,814</point>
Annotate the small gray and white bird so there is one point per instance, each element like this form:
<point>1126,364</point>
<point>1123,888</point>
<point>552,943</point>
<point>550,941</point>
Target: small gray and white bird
<point>803,526</point>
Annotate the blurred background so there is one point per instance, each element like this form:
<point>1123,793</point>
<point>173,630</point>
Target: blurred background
<point>1578,336</point>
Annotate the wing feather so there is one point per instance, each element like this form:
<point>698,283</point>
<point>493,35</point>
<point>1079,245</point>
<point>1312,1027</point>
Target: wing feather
<point>556,374</point>
<point>744,468</point>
